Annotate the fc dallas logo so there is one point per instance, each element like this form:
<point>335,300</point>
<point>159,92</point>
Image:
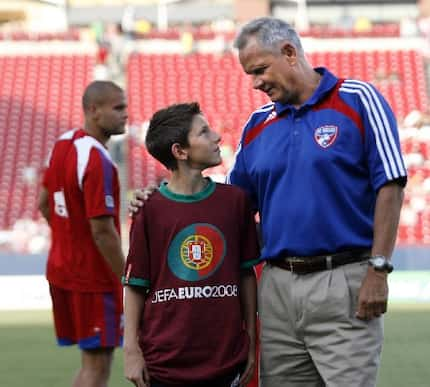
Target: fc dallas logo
<point>326,135</point>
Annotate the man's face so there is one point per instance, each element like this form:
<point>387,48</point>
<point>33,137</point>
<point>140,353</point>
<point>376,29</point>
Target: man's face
<point>271,72</point>
<point>111,116</point>
<point>203,150</point>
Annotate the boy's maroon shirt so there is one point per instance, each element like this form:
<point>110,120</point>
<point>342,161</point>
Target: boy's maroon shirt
<point>187,252</point>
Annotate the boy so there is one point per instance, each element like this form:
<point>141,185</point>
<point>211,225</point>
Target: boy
<point>190,297</point>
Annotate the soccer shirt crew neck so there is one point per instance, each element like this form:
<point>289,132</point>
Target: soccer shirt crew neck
<point>203,194</point>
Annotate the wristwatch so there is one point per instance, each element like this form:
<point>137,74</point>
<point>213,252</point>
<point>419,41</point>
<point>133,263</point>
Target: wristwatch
<point>381,263</point>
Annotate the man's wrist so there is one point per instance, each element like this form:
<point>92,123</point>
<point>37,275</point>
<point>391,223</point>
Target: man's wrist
<point>380,263</point>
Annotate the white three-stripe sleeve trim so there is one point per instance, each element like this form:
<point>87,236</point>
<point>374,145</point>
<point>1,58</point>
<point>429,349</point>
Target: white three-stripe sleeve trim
<point>375,131</point>
<point>386,124</point>
<point>391,169</point>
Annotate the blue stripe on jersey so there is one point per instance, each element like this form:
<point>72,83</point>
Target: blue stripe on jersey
<point>109,316</point>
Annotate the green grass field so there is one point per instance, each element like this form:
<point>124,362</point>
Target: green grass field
<point>29,356</point>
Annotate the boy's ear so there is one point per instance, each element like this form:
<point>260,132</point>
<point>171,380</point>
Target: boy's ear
<point>178,152</point>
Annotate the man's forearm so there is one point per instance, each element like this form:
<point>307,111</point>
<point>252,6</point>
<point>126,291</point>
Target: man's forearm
<point>387,213</point>
<point>44,203</point>
<point>108,243</point>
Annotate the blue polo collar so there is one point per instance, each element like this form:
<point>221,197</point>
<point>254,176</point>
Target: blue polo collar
<point>327,83</point>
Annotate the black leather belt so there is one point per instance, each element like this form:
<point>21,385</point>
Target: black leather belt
<point>305,265</point>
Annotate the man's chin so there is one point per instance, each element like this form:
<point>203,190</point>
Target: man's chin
<point>273,97</point>
<point>119,131</point>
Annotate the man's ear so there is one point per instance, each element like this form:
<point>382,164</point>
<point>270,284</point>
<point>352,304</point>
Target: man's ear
<point>92,110</point>
<point>290,52</point>
<point>178,152</point>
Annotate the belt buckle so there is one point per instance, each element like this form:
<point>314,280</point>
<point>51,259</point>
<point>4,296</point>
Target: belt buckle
<point>293,260</point>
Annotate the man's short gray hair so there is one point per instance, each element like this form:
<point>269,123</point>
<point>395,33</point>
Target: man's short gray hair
<point>269,32</point>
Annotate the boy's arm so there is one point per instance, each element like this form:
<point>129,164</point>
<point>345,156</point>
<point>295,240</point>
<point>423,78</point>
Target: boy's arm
<point>248,302</point>
<point>135,368</point>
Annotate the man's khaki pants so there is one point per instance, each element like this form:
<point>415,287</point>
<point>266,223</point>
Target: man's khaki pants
<point>309,333</point>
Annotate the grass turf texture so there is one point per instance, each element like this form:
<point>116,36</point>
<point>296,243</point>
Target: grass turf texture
<point>29,355</point>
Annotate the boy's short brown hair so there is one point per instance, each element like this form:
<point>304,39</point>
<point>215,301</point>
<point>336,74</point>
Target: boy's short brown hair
<point>169,126</point>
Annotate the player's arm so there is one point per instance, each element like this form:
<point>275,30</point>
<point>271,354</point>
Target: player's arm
<point>248,302</point>
<point>373,296</point>
<point>108,242</point>
<point>135,368</point>
<point>44,203</point>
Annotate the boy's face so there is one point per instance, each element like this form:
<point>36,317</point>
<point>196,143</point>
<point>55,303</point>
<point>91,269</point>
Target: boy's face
<point>203,150</point>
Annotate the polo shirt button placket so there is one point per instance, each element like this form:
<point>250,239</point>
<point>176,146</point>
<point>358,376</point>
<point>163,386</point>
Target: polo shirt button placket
<point>296,130</point>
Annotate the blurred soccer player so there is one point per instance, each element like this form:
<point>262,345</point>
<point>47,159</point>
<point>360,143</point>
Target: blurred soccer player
<point>80,201</point>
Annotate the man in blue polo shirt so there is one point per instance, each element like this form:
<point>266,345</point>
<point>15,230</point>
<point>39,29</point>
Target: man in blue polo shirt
<point>323,166</point>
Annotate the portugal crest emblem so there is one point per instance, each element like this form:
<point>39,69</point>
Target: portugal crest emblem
<point>326,135</point>
<point>196,252</point>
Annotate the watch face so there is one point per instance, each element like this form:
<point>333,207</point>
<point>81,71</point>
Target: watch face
<point>379,262</point>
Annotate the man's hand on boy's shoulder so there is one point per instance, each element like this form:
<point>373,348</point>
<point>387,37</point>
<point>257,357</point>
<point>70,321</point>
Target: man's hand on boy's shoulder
<point>139,197</point>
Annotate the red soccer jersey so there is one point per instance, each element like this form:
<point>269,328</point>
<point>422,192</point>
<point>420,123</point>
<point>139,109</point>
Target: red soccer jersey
<point>188,252</point>
<point>82,183</point>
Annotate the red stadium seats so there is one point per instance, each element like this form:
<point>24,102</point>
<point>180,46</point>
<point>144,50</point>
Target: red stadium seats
<point>40,97</point>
